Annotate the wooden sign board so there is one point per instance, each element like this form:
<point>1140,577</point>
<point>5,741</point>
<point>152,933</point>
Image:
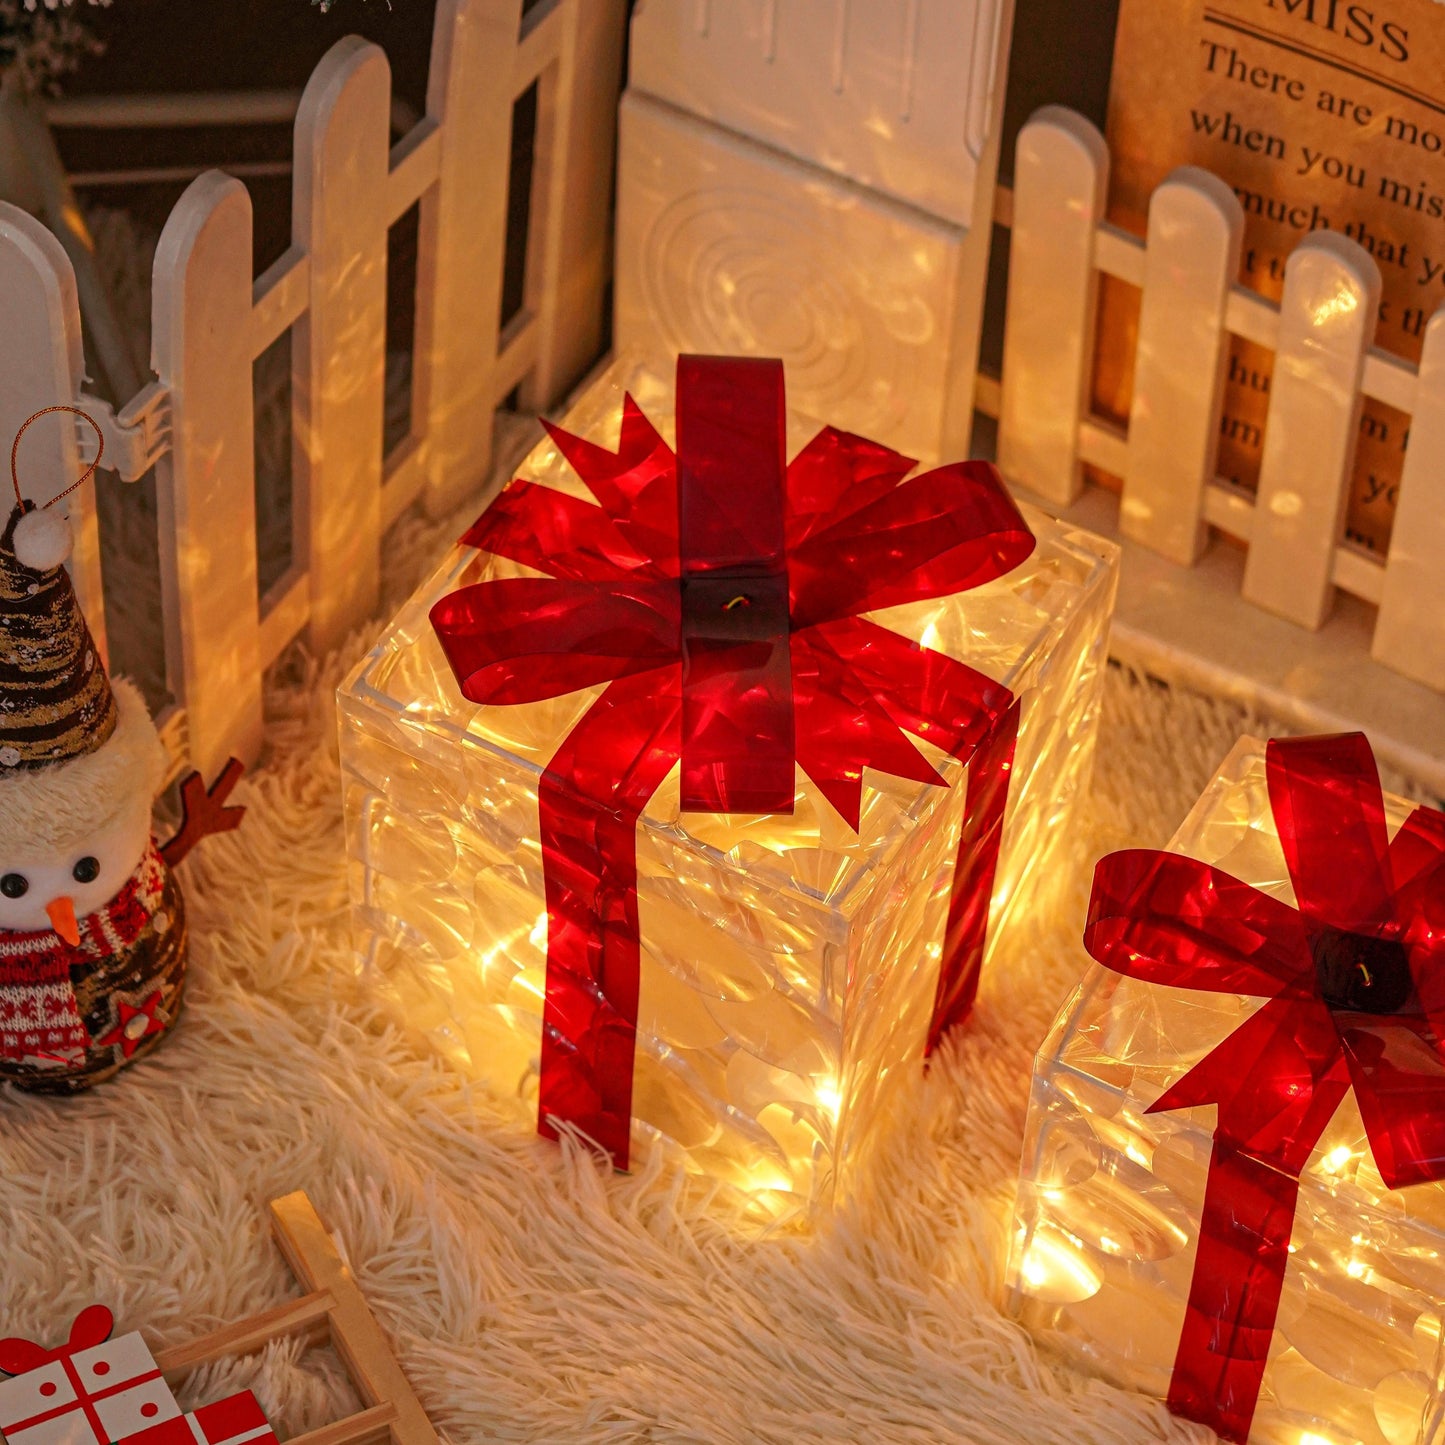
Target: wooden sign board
<point>1320,115</point>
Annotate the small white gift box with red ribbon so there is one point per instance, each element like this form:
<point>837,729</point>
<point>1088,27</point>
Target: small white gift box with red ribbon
<point>92,1390</point>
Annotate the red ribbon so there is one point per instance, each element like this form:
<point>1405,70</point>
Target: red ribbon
<point>718,596</point>
<point>1355,982</point>
<point>92,1327</point>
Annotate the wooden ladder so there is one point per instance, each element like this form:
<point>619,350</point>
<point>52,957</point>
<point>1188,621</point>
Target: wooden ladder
<point>334,1311</point>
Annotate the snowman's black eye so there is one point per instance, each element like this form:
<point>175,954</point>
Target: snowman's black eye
<point>86,870</point>
<point>14,885</point>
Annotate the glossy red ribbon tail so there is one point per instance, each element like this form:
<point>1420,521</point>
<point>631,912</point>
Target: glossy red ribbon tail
<point>737,683</point>
<point>589,1012</point>
<point>590,798</point>
<point>1234,1295</point>
<point>989,771</point>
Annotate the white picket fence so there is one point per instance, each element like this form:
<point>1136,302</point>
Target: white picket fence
<point>1321,334</point>
<point>210,321</point>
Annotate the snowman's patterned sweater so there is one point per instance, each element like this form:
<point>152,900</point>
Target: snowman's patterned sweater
<point>40,1019</point>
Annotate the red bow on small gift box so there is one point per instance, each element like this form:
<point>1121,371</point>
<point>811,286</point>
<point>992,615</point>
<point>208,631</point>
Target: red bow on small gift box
<point>1354,979</point>
<point>718,595</point>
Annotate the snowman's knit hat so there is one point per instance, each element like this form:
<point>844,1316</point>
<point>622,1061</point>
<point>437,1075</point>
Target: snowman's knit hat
<point>56,702</point>
<point>47,813</point>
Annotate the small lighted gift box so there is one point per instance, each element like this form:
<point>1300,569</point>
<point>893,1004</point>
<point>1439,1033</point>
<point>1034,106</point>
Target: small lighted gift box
<point>879,688</point>
<point>1229,1194</point>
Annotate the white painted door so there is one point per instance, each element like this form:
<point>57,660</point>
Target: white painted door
<point>814,179</point>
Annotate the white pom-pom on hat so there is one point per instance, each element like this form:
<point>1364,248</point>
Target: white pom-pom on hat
<point>42,540</point>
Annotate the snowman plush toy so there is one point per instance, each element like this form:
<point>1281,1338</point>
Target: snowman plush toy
<point>92,921</point>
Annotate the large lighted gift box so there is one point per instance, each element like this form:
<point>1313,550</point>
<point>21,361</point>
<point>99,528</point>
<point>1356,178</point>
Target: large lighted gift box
<point>685,798</point>
<point>1236,1134</point>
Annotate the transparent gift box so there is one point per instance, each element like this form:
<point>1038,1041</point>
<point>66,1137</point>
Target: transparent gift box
<point>789,965</point>
<point>1106,1261</point>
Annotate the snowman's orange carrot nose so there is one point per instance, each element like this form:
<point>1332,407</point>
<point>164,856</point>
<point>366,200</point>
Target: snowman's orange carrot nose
<point>62,919</point>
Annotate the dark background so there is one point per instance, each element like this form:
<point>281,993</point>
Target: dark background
<point>174,45</point>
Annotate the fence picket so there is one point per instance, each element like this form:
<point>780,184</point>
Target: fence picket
<point>1324,367</point>
<point>42,364</point>
<point>1061,176</point>
<point>463,233</point>
<point>1196,231</point>
<point>1410,631</point>
<point>339,220</point>
<point>201,349</point>
<point>1327,319</point>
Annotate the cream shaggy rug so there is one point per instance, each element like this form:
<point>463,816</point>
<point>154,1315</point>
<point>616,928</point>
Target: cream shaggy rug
<point>532,1295</point>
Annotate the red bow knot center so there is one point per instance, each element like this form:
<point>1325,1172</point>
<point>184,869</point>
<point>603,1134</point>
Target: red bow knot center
<point>730,608</point>
<point>1359,973</point>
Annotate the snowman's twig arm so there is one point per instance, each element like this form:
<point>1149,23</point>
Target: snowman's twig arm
<point>204,813</point>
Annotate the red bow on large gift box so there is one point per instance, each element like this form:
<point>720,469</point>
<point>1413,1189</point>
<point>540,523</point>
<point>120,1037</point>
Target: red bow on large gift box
<point>1354,983</point>
<point>718,594</point>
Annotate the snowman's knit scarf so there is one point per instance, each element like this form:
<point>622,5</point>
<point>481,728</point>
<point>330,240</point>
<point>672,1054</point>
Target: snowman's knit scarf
<point>38,1013</point>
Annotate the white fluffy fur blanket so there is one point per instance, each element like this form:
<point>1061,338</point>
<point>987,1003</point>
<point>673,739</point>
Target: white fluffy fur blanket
<point>532,1295</point>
